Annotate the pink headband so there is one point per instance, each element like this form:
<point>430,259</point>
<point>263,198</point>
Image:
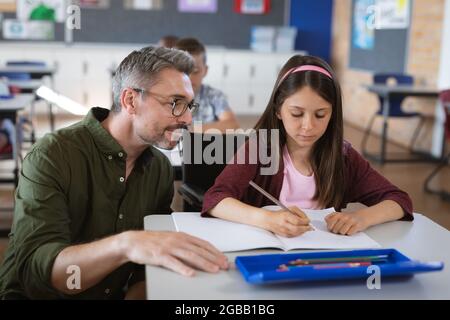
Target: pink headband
<point>308,67</point>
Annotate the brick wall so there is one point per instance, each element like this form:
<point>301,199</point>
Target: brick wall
<point>423,58</point>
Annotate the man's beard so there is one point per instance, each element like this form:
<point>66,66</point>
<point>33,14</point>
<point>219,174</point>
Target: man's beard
<point>161,140</point>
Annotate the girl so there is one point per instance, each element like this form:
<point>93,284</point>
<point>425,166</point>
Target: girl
<point>318,168</point>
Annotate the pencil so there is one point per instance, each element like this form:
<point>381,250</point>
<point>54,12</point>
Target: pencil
<point>355,264</point>
<point>273,199</point>
<point>377,258</point>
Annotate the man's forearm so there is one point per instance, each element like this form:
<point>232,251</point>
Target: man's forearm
<point>95,261</point>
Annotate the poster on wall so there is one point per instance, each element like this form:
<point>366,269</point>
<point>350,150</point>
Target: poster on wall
<point>392,14</point>
<point>50,10</point>
<point>143,4</point>
<point>363,30</point>
<point>28,30</point>
<point>7,5</point>
<point>252,6</point>
<point>201,6</point>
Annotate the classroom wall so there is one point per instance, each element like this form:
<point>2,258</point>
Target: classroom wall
<point>423,62</point>
<point>313,21</point>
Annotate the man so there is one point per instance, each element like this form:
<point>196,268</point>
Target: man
<point>214,110</point>
<point>83,192</point>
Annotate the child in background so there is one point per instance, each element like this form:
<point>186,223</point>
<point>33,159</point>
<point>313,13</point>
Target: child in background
<point>168,41</point>
<point>318,168</point>
<point>214,110</point>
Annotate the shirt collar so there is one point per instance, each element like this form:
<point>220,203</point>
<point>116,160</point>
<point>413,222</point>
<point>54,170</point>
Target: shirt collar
<point>105,141</point>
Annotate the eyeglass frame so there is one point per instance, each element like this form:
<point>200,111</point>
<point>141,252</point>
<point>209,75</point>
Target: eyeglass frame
<point>192,106</point>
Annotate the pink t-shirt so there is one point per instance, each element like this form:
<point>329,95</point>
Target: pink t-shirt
<point>297,189</point>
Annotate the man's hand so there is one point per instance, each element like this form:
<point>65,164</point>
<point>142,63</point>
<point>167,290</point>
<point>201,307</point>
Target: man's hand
<point>176,251</point>
<point>287,223</point>
<point>345,223</point>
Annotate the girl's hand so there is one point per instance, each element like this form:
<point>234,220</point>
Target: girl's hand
<point>286,223</point>
<point>346,223</point>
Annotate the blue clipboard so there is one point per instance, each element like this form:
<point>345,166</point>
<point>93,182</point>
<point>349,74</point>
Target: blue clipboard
<point>261,269</point>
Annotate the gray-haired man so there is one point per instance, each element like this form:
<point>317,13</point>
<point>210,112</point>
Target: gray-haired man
<point>83,192</point>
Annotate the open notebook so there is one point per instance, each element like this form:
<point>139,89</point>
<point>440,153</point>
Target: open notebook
<point>230,236</point>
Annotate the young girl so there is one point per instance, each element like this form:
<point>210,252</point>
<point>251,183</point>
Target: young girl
<point>318,168</point>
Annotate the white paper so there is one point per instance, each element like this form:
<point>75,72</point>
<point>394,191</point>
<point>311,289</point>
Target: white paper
<point>229,236</point>
<point>321,238</point>
<point>226,236</point>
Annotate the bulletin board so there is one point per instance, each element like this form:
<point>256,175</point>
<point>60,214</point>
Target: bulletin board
<point>384,51</point>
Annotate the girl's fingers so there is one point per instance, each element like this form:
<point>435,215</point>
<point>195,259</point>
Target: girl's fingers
<point>346,227</point>
<point>338,225</point>
<point>332,220</point>
<point>299,213</point>
<point>352,230</point>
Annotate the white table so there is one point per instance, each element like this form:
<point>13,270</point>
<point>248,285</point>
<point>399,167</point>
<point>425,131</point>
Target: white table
<point>26,85</point>
<point>422,240</point>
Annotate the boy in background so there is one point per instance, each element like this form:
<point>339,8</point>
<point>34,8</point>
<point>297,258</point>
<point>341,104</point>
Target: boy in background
<point>214,111</point>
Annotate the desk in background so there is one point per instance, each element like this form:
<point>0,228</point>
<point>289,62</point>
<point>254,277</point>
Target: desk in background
<point>26,86</point>
<point>388,92</point>
<point>9,109</point>
<point>36,73</point>
<point>29,86</point>
<point>422,240</point>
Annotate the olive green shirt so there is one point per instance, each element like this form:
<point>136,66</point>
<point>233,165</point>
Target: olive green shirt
<point>72,190</point>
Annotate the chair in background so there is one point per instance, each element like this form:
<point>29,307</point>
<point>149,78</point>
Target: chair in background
<point>395,109</point>
<point>198,174</point>
<point>24,121</point>
<point>445,194</point>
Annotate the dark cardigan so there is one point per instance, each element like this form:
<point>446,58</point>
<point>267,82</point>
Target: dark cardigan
<point>362,184</point>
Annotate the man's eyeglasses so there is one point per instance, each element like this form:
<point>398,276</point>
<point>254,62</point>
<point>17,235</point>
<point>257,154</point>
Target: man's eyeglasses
<point>179,106</point>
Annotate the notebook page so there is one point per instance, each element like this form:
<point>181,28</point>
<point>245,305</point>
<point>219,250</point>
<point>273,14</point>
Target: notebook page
<point>321,238</point>
<point>225,235</point>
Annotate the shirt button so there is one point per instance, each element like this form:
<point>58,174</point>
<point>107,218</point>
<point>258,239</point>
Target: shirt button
<point>120,154</point>
<point>120,216</point>
<point>107,291</point>
<point>109,157</point>
<point>121,179</point>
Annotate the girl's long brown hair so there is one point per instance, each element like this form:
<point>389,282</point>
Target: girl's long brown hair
<point>326,156</point>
